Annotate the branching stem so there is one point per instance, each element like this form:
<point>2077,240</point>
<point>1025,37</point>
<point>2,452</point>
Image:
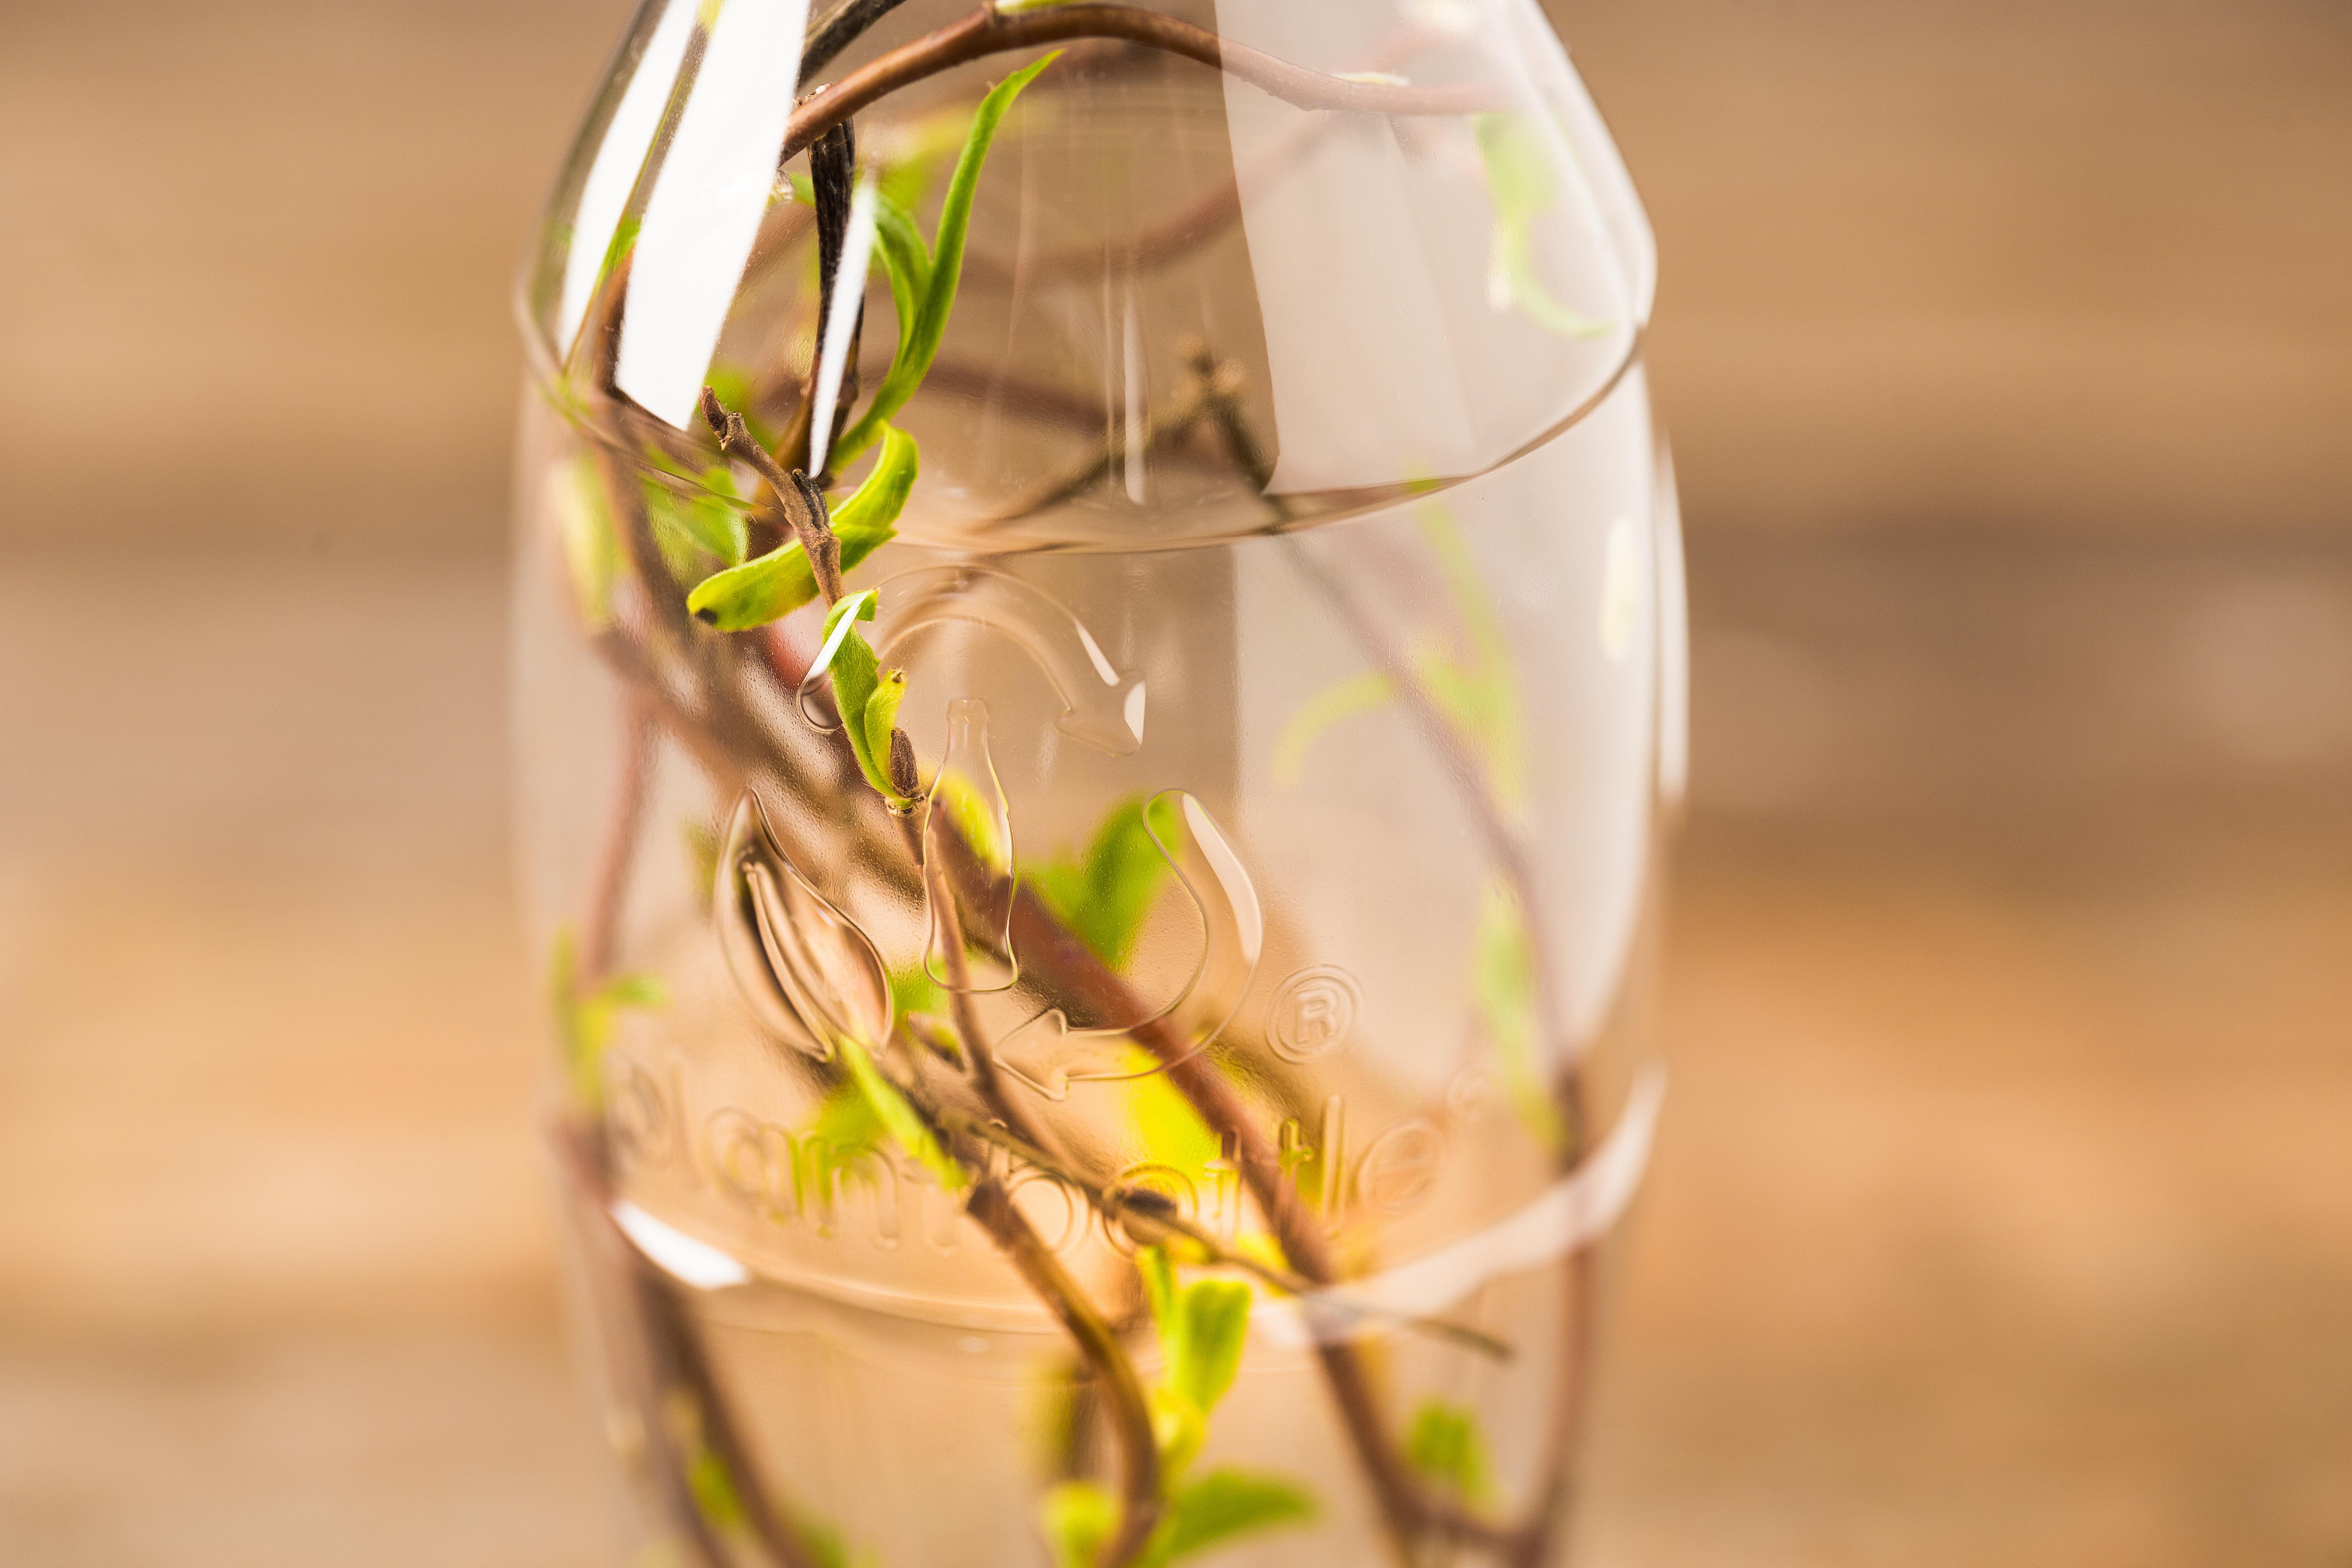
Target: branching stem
<point>803,504</point>
<point>600,931</point>
<point>1139,1446</point>
<point>990,32</point>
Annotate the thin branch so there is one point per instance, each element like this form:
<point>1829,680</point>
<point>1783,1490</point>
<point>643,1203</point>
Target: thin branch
<point>988,32</point>
<point>1406,1506</point>
<point>1550,1511</point>
<point>1139,1446</point>
<point>1161,429</point>
<point>838,28</point>
<point>1152,1220</point>
<point>600,931</point>
<point>979,1060</point>
<point>991,1205</point>
<point>801,503</point>
<point>671,1362</point>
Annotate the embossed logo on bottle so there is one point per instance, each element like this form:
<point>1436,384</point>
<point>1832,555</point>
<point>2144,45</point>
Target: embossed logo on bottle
<point>1313,1014</point>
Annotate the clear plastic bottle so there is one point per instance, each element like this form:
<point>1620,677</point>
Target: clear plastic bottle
<point>1135,1051</point>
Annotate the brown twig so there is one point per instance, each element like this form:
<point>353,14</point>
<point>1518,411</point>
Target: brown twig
<point>803,504</point>
<point>838,28</point>
<point>1139,1446</point>
<point>979,1060</point>
<point>1161,429</point>
<point>988,32</point>
<point>992,1206</point>
<point>672,1363</point>
<point>1152,1220</point>
<point>600,931</point>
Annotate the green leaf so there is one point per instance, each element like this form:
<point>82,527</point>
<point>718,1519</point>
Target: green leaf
<point>1178,1428</point>
<point>1445,1445</point>
<point>1078,1517</point>
<point>912,991</point>
<point>584,1020</point>
<point>1159,1276</point>
<point>898,1117</point>
<point>592,550</point>
<point>715,524</point>
<point>920,343</point>
<point>624,240</point>
<point>633,990</point>
<point>827,1549</point>
<point>1204,1353</point>
<point>857,678</point>
<point>880,719</point>
<point>1357,694</point>
<point>1518,179</point>
<point>845,1121</point>
<point>1171,1131</point>
<point>907,262</point>
<point>1503,983</point>
<point>714,1491</point>
<point>842,655</point>
<point>844,1131</point>
<point>1225,1503</point>
<point>1478,695</point>
<point>1104,897</point>
<point>773,586</point>
<point>869,518</point>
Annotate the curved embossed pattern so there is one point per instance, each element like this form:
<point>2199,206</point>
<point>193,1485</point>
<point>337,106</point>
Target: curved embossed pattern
<point>1049,1056</point>
<point>966,806</point>
<point>809,976</point>
<point>1101,707</point>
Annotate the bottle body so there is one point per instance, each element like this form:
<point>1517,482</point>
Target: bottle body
<point>1153,1065</point>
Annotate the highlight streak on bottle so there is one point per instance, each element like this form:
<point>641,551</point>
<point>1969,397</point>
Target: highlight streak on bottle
<point>1049,1056</point>
<point>809,974</point>
<point>967,802</point>
<point>849,295</point>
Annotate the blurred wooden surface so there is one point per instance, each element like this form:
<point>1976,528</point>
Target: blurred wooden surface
<point>2002,1209</point>
<point>1986,263</point>
<point>1995,264</point>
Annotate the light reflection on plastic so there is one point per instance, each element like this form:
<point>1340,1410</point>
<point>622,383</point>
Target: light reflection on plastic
<point>705,212</point>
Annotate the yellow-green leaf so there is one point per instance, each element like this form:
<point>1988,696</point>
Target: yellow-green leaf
<point>1225,1503</point>
<point>1503,981</point>
<point>771,586</point>
<point>898,1117</point>
<point>1519,182</point>
<point>1360,693</point>
<point>1445,1445</point>
<point>920,343</point>
<point>1078,1517</point>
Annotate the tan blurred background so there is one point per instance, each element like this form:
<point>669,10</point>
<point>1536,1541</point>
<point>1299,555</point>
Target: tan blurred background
<point>2004,1212</point>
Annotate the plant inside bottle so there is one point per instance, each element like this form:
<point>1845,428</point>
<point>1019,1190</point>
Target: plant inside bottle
<point>1166,1174</point>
